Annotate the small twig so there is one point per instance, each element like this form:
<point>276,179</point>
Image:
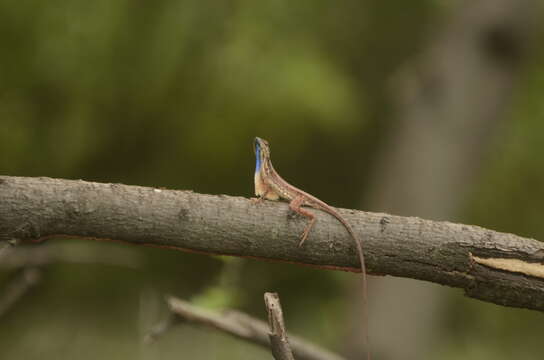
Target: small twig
<point>161,328</point>
<point>278,335</point>
<point>7,245</point>
<point>70,253</point>
<point>240,325</point>
<point>18,287</point>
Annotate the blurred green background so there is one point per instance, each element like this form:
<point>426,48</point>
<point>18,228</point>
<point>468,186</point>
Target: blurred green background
<point>170,94</point>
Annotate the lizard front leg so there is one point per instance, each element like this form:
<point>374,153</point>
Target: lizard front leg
<point>257,200</point>
<point>265,193</point>
<point>295,205</point>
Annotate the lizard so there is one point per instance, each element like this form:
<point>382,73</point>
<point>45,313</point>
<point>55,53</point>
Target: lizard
<point>269,185</point>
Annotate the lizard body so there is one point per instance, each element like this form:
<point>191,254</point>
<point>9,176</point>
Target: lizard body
<point>271,186</point>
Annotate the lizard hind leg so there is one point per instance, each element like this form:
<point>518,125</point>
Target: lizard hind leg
<point>295,205</point>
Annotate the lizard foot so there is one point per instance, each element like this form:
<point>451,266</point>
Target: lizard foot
<point>303,238</point>
<point>291,214</point>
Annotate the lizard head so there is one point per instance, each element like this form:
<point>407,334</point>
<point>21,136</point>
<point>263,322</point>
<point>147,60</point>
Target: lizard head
<point>262,152</point>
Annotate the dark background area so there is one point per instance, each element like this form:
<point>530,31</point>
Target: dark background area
<point>171,93</point>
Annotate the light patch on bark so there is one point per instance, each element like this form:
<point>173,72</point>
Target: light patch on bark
<point>512,265</point>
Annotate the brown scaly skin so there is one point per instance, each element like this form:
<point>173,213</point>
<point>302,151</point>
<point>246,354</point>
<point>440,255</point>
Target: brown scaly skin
<point>270,185</point>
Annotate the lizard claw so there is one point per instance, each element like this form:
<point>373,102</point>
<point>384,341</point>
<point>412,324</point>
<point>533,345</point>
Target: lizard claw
<point>303,238</point>
<point>257,200</point>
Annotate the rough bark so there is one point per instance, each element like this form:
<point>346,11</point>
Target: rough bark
<point>464,256</point>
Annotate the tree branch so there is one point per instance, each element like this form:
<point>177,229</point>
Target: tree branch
<point>277,333</point>
<point>464,256</point>
<point>237,324</point>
